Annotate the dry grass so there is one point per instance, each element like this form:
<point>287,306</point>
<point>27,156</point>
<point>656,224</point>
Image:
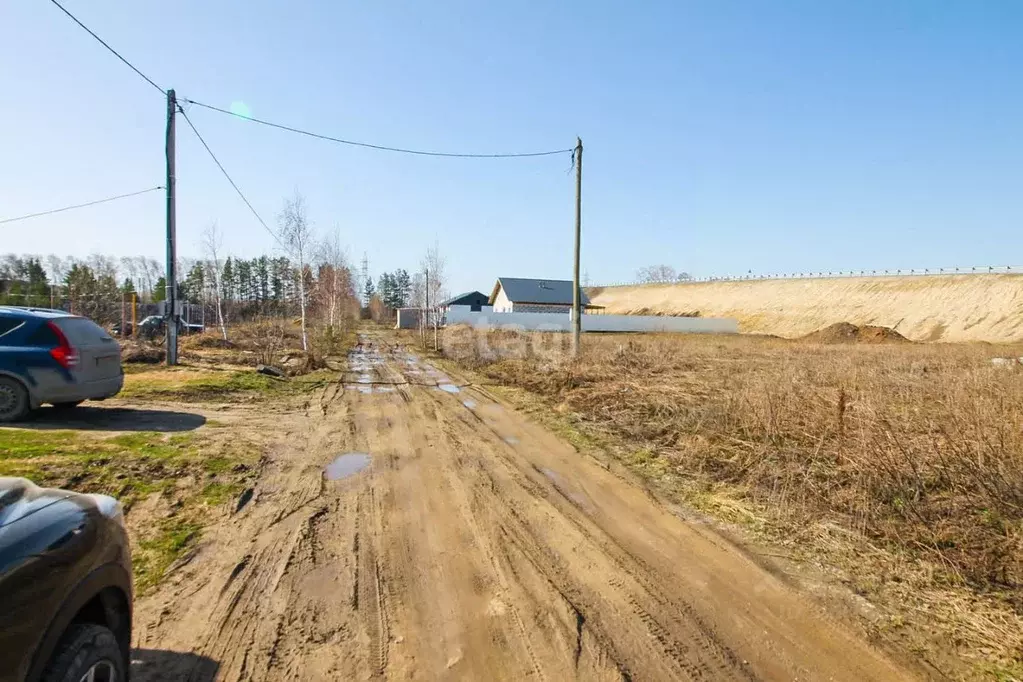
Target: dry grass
<point>901,464</point>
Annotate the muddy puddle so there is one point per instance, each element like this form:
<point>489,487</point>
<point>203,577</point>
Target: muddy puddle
<point>346,465</point>
<point>449,388</point>
<point>511,440</point>
<point>369,389</point>
<point>471,404</point>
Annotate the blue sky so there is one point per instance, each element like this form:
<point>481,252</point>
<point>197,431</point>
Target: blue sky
<point>720,136</point>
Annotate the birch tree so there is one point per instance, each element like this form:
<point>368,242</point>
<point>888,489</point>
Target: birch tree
<point>296,235</point>
<point>335,279</point>
<point>211,247</point>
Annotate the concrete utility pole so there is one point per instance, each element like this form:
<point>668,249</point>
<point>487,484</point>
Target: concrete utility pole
<point>577,322</point>
<point>170,318</point>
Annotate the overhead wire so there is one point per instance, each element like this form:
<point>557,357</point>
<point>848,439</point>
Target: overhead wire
<point>69,208</point>
<point>367,145</point>
<point>106,45</point>
<point>229,179</point>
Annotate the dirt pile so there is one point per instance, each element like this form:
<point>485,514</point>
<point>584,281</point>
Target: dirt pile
<point>134,351</point>
<point>845,332</point>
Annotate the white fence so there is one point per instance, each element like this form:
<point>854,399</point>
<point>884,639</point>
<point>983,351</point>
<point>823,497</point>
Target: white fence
<point>826,274</point>
<point>559,322</point>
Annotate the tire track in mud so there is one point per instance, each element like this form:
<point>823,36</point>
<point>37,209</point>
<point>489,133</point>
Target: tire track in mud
<point>462,553</point>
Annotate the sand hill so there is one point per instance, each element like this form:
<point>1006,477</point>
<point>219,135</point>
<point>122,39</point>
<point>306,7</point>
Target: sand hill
<point>984,307</point>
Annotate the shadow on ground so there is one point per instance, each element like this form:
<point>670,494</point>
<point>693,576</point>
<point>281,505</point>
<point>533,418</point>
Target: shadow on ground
<point>153,665</point>
<point>112,419</point>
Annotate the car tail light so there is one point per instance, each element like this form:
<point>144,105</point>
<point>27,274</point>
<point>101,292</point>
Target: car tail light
<point>64,353</point>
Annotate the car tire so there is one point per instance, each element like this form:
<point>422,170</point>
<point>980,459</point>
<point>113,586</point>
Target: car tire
<point>84,648</point>
<point>67,406</point>
<point>14,404</point>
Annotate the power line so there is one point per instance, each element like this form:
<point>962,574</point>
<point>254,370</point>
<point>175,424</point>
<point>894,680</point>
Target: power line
<point>226,175</point>
<point>367,145</point>
<point>91,203</point>
<point>104,44</point>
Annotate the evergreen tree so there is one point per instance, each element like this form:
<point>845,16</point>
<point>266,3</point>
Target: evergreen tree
<point>368,291</point>
<point>262,276</point>
<point>385,289</point>
<point>159,289</point>
<point>195,284</point>
<point>402,288</point>
<point>227,282</point>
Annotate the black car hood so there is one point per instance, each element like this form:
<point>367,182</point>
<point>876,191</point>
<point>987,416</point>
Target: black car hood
<point>20,497</point>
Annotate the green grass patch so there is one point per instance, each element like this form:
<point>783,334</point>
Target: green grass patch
<point>192,385</point>
<point>154,555</point>
<point>218,493</point>
<point>190,473</point>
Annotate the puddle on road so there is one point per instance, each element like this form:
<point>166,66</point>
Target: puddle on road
<point>471,404</point>
<point>367,389</point>
<point>449,388</point>
<point>511,440</point>
<point>346,465</point>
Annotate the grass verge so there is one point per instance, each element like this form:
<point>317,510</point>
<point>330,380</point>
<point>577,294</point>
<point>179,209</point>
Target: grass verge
<point>197,384</point>
<point>170,484</point>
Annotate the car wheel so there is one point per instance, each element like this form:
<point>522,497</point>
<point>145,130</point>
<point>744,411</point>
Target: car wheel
<point>67,406</point>
<point>13,400</point>
<point>86,653</point>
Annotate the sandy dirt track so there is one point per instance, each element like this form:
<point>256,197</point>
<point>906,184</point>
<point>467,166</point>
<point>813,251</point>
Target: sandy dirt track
<point>475,546</point>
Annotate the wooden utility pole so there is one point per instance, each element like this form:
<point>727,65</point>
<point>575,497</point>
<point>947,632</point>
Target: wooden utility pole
<point>134,313</point>
<point>170,317</point>
<point>577,322</point>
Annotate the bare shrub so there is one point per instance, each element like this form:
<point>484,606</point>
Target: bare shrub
<point>268,339</point>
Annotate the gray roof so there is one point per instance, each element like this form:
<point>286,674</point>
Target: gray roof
<point>455,299</point>
<point>546,291</point>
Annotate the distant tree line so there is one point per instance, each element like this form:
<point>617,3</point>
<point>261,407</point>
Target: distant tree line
<point>313,281</point>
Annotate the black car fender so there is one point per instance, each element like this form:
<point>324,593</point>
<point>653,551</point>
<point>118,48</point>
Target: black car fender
<point>113,583</point>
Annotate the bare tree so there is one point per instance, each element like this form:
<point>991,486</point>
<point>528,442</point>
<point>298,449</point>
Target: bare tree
<point>129,269</point>
<point>657,273</point>
<point>335,280</point>
<point>58,268</point>
<point>433,265</point>
<point>433,271</point>
<point>297,236</point>
<point>211,247</point>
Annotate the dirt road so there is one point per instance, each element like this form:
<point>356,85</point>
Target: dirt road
<point>476,546</point>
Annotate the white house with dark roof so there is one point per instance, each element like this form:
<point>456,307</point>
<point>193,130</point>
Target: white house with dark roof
<point>518,295</point>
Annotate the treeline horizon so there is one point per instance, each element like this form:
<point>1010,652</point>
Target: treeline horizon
<point>98,285</point>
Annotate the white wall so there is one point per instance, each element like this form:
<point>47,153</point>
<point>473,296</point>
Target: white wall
<point>591,323</point>
<point>501,302</point>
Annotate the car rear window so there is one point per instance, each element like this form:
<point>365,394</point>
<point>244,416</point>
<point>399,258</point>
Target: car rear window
<point>82,332</point>
<point>43,336</point>
<point>8,324</point>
